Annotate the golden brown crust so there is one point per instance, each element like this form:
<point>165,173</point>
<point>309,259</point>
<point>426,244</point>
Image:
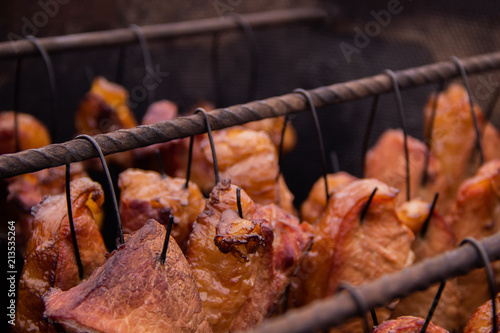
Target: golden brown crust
<point>250,160</point>
<point>347,250</point>
<point>105,109</point>
<point>133,291</point>
<point>239,236</point>
<point>273,127</point>
<point>31,132</point>
<point>239,294</point>
<point>390,147</point>
<point>490,142</point>
<point>477,214</point>
<point>315,204</point>
<point>438,239</point>
<point>27,190</point>
<point>453,135</point>
<point>147,195</point>
<point>50,260</point>
<point>481,320</point>
<point>407,325</point>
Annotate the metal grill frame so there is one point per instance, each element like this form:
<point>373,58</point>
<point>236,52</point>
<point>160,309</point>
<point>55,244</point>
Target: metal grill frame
<point>321,314</point>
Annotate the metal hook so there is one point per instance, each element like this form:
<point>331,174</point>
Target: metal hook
<point>238,202</point>
<point>366,140</point>
<point>425,226</point>
<point>110,182</point>
<point>489,272</point>
<point>72,223</point>
<point>360,303</point>
<point>434,305</point>
<point>211,140</point>
<point>52,83</point>
<point>428,134</point>
<point>365,208</point>
<point>461,69</point>
<point>399,102</point>
<point>163,254</point>
<point>254,59</point>
<point>309,101</point>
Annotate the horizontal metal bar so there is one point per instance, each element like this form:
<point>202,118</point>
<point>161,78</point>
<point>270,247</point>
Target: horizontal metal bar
<point>335,310</point>
<point>14,48</point>
<point>141,136</point>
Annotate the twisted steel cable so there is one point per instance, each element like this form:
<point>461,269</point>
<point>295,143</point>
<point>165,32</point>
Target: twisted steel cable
<point>141,136</point>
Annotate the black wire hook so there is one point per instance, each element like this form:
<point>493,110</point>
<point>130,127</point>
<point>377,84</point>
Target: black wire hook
<point>360,303</point>
<point>461,69</point>
<point>212,146</point>
<point>434,305</point>
<point>72,223</point>
<point>238,202</point>
<point>365,208</point>
<point>110,182</point>
<point>425,226</point>
<point>489,272</point>
<point>163,254</point>
<point>310,102</point>
<point>399,101</point>
<point>254,60</point>
<point>428,133</point>
<point>368,132</point>
<point>54,98</point>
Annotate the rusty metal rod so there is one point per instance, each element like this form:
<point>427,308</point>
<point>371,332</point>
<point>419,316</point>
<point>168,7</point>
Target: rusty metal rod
<point>17,47</point>
<point>335,310</point>
<point>141,136</point>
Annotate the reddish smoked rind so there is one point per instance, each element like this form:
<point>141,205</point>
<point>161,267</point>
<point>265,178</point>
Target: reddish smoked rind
<point>243,265</point>
<point>133,291</point>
